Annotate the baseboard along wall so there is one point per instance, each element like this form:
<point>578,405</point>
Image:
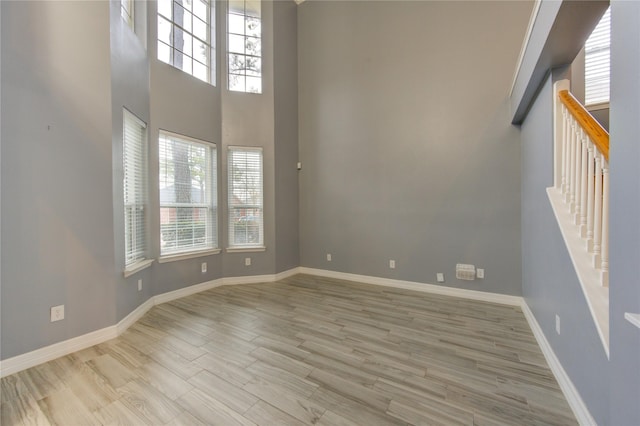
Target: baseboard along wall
<point>48,353</point>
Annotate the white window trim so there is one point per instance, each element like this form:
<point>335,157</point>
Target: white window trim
<point>261,246</point>
<point>601,37</point>
<point>186,254</point>
<point>128,13</point>
<point>210,43</point>
<point>229,53</point>
<point>137,267</point>
<point>128,114</point>
<point>251,249</point>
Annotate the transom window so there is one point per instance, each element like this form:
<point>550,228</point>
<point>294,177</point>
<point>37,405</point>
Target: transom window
<point>185,36</point>
<point>126,11</point>
<point>244,43</point>
<point>597,62</point>
<point>246,222</point>
<point>134,161</point>
<point>188,196</point>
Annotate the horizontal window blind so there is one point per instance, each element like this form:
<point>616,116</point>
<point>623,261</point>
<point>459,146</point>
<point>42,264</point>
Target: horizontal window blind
<point>597,62</point>
<point>188,196</point>
<point>134,158</point>
<point>246,222</point>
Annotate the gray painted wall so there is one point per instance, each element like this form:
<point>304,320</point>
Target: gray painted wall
<point>548,278</point>
<point>129,89</point>
<point>285,74</point>
<point>405,140</point>
<point>68,68</point>
<point>611,389</point>
<point>57,213</point>
<point>181,104</point>
<point>624,289</point>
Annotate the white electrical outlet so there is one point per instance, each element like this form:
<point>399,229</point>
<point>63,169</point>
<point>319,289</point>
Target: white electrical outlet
<point>440,277</point>
<point>203,267</point>
<point>57,313</point>
<point>557,324</point>
<point>247,261</point>
<point>392,264</point>
<point>328,257</point>
<point>480,273</point>
<point>140,285</point>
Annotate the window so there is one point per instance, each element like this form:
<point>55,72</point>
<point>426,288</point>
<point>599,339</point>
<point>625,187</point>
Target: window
<point>244,45</point>
<point>245,197</point>
<point>126,11</point>
<point>134,160</point>
<point>188,200</point>
<point>597,69</point>
<point>185,36</point>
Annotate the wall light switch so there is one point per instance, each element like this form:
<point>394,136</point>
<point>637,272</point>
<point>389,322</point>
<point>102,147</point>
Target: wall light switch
<point>247,261</point>
<point>203,267</point>
<point>140,284</point>
<point>440,277</point>
<point>480,273</point>
<point>328,257</point>
<point>392,264</point>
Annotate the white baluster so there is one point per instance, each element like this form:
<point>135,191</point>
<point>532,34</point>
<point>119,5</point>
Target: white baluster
<point>604,263</point>
<point>565,149</point>
<point>597,214</point>
<point>578,172</point>
<point>572,167</point>
<point>590,195</point>
<point>583,186</point>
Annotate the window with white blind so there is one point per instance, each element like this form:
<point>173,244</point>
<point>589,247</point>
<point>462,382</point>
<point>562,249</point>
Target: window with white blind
<point>244,45</point>
<point>134,159</point>
<point>597,62</point>
<point>126,11</point>
<point>186,36</point>
<point>246,229</point>
<point>188,195</point>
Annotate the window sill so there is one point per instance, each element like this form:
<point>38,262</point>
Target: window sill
<point>188,255</point>
<point>598,106</point>
<point>137,267</point>
<point>633,318</point>
<point>596,295</point>
<point>246,249</point>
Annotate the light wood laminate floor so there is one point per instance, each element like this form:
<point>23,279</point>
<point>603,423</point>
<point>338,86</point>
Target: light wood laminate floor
<point>305,350</point>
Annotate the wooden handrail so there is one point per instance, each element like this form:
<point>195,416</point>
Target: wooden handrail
<point>596,132</point>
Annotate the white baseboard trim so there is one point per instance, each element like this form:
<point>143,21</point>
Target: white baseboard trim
<point>48,353</point>
<point>39,356</point>
<point>570,392</point>
<point>503,299</point>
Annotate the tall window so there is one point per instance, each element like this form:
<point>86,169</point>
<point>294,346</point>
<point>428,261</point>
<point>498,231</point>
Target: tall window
<point>126,11</point>
<point>597,62</point>
<point>188,200</point>
<point>185,36</point>
<point>244,44</point>
<point>134,159</point>
<point>245,197</point>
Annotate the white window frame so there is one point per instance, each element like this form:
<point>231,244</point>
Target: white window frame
<point>249,12</point>
<point>134,182</point>
<point>209,203</point>
<point>168,37</point>
<point>238,201</point>
<point>127,11</point>
<point>597,63</point>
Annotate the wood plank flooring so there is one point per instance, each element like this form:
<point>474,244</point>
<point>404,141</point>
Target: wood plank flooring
<point>305,350</point>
